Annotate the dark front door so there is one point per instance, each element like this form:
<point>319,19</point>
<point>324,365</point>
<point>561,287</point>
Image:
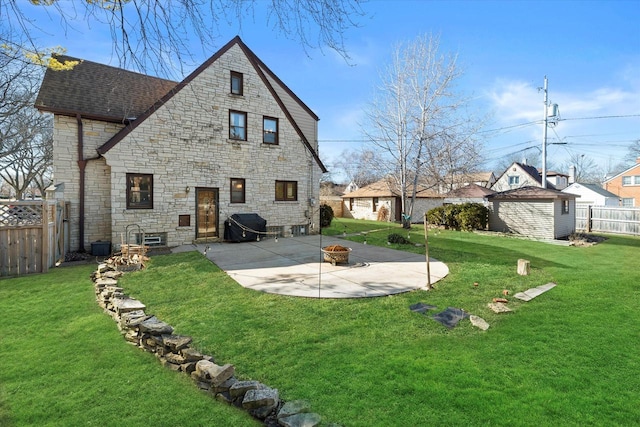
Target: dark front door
<point>206,212</point>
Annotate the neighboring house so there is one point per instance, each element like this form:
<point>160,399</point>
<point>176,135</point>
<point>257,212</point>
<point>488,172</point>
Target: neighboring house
<point>626,185</point>
<point>471,193</point>
<point>455,181</point>
<point>558,180</point>
<point>592,194</point>
<point>368,201</point>
<point>178,159</point>
<point>520,175</point>
<point>539,213</point>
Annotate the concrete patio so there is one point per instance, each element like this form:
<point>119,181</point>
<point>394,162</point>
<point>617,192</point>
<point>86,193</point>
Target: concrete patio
<point>294,266</point>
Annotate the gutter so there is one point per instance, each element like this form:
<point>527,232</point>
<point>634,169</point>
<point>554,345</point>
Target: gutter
<point>82,165</point>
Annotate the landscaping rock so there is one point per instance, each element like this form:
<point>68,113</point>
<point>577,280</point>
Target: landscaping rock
<point>294,407</point>
<point>128,304</point>
<point>106,282</point>
<point>174,358</point>
<point>241,387</point>
<point>225,386</point>
<point>154,326</point>
<point>202,369</point>
<point>262,398</point>
<point>220,374</point>
<point>300,420</point>
<point>191,355</point>
<point>498,307</point>
<point>479,322</point>
<point>176,342</point>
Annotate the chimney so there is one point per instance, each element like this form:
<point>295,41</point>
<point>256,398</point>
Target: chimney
<point>572,174</point>
<point>637,160</point>
<point>524,161</point>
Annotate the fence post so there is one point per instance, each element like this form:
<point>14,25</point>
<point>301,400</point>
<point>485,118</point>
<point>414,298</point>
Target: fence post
<point>45,237</point>
<point>588,219</point>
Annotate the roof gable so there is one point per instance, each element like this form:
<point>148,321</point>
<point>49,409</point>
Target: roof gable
<point>624,172</point>
<point>592,187</point>
<point>260,69</point>
<point>532,171</point>
<point>99,91</point>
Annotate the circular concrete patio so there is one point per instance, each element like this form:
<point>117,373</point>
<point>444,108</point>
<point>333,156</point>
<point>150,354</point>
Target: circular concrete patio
<point>294,266</point>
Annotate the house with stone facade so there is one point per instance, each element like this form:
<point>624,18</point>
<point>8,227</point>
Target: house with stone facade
<point>138,156</point>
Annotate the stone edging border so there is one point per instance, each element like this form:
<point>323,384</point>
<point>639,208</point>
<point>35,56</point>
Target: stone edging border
<point>155,336</point>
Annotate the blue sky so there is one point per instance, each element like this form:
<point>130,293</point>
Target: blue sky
<point>589,50</point>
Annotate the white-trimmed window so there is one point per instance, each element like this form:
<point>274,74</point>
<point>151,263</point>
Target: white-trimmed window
<point>565,206</point>
<point>514,180</point>
<point>628,202</point>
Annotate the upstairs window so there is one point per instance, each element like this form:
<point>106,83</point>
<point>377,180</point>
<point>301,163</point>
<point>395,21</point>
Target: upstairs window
<point>514,180</point>
<point>139,191</point>
<point>270,130</point>
<point>237,84</point>
<point>631,180</point>
<point>238,125</point>
<point>237,190</point>
<point>565,206</point>
<point>286,191</point>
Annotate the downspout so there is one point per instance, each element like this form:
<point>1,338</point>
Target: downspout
<point>82,163</point>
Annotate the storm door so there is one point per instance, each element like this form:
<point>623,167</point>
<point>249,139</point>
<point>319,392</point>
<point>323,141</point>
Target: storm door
<point>206,212</point>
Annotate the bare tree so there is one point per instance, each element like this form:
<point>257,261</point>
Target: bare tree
<point>360,167</point>
<point>19,82</point>
<point>633,153</point>
<point>587,169</point>
<point>30,164</point>
<point>25,134</point>
<point>418,124</point>
<point>157,34</point>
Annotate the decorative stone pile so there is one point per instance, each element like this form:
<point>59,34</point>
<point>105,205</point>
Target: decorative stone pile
<point>155,336</point>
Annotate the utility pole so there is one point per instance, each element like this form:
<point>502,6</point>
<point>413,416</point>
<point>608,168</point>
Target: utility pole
<point>544,134</point>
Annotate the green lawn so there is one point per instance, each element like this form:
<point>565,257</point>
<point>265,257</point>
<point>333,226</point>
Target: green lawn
<point>569,357</point>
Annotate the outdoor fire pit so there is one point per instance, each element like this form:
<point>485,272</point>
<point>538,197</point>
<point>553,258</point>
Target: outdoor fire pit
<point>336,254</point>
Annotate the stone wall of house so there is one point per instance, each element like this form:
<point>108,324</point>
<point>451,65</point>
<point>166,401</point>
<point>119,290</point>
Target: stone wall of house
<point>185,144</point>
<point>176,353</point>
<point>97,175</point>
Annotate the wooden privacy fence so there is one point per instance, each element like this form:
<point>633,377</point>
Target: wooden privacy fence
<point>606,219</point>
<point>32,236</point>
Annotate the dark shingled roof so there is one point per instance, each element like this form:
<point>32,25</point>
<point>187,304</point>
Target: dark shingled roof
<point>531,193</point>
<point>99,91</point>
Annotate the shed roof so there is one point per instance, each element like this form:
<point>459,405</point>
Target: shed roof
<point>593,187</point>
<point>531,192</point>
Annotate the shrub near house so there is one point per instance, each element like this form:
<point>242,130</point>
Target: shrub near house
<point>467,216</point>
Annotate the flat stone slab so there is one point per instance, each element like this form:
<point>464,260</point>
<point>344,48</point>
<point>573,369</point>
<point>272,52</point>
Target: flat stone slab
<point>499,307</point>
<point>127,305</point>
<point>530,294</point>
<point>479,322</point>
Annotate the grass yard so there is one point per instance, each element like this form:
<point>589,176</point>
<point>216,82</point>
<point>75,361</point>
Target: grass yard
<point>569,357</point>
<point>64,363</point>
